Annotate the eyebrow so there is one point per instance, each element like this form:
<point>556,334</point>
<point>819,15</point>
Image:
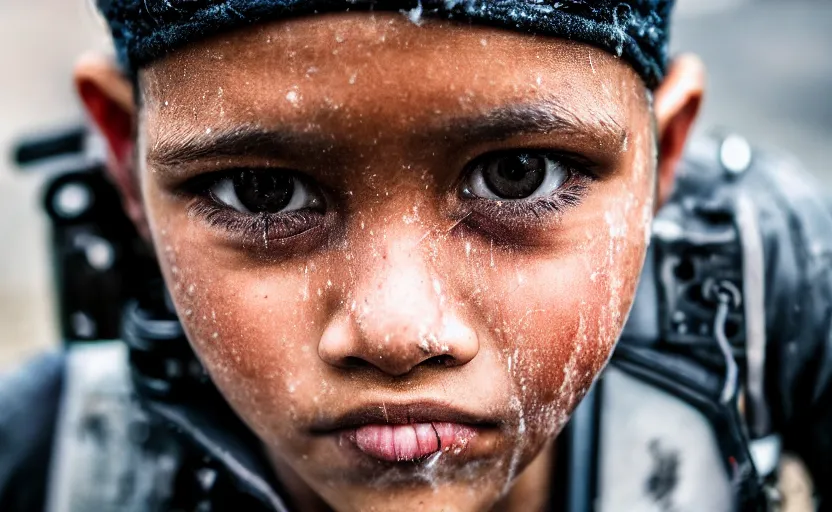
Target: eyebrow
<point>545,115</point>
<point>244,140</point>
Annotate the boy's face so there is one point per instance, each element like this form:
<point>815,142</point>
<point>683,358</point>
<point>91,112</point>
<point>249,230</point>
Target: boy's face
<point>364,223</point>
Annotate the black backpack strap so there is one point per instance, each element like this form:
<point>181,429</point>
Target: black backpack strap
<point>29,400</point>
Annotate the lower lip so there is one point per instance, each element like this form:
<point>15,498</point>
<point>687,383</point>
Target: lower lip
<point>411,442</point>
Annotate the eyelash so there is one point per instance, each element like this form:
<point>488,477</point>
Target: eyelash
<point>260,227</point>
<point>568,196</point>
<point>513,222</point>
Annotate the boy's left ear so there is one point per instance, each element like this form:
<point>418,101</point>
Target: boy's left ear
<point>107,96</point>
<point>677,102</point>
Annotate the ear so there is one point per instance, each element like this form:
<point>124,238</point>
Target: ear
<point>676,106</point>
<point>107,96</point>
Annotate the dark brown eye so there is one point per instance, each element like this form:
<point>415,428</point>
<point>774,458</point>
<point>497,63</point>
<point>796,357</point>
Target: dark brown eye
<point>263,191</point>
<point>515,176</point>
<point>260,192</point>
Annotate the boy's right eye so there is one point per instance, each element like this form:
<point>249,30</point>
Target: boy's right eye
<point>253,191</point>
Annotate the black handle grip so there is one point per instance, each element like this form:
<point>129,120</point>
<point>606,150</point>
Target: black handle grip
<point>38,149</point>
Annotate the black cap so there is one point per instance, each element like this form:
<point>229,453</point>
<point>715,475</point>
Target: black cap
<point>635,30</point>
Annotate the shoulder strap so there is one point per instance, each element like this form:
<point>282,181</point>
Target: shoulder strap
<point>108,456</point>
<point>29,400</point>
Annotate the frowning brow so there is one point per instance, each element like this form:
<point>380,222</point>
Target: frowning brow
<point>499,123</point>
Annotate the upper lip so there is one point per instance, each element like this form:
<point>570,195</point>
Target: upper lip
<point>400,414</point>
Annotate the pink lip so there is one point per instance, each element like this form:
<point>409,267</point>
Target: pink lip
<point>410,442</point>
<point>412,431</point>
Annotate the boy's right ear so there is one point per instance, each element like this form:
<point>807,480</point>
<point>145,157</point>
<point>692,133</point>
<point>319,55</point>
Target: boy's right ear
<point>108,98</point>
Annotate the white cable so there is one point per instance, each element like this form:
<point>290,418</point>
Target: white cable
<point>730,387</point>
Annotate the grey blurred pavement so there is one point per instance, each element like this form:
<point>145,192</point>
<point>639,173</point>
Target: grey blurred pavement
<point>771,76</point>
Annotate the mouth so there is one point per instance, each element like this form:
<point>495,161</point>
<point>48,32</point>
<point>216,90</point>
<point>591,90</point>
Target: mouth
<point>407,432</point>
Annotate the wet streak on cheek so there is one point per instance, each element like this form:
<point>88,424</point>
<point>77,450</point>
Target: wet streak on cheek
<point>536,330</point>
<point>530,318</point>
<point>620,254</point>
<point>586,314</point>
<point>558,353</point>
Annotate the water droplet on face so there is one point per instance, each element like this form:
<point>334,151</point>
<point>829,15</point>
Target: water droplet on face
<point>415,14</point>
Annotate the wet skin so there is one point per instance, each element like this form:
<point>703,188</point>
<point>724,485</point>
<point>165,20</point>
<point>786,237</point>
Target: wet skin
<point>400,290</point>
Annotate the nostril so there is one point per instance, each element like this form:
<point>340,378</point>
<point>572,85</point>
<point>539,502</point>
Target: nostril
<point>354,362</point>
<point>443,360</point>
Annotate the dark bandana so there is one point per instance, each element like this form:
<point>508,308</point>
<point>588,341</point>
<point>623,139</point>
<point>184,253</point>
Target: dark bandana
<point>636,30</point>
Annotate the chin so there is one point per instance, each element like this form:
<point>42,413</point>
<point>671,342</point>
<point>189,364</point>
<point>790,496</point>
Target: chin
<point>420,495</point>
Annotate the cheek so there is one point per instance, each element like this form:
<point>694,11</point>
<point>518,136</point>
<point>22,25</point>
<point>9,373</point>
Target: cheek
<point>560,316</point>
<point>254,328</point>
<point>559,330</point>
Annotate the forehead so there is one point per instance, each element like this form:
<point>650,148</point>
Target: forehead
<point>382,68</point>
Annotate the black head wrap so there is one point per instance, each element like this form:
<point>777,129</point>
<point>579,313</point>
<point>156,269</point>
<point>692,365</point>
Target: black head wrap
<point>636,30</point>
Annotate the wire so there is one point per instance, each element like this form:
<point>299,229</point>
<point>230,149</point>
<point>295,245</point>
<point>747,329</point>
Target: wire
<point>730,387</point>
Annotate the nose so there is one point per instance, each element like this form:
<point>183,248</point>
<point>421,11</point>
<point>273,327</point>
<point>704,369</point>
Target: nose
<point>400,317</point>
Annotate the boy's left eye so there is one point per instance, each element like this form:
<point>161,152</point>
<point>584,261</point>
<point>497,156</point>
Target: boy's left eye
<point>515,176</point>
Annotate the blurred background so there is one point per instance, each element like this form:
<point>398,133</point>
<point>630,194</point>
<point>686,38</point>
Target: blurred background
<point>770,80</point>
